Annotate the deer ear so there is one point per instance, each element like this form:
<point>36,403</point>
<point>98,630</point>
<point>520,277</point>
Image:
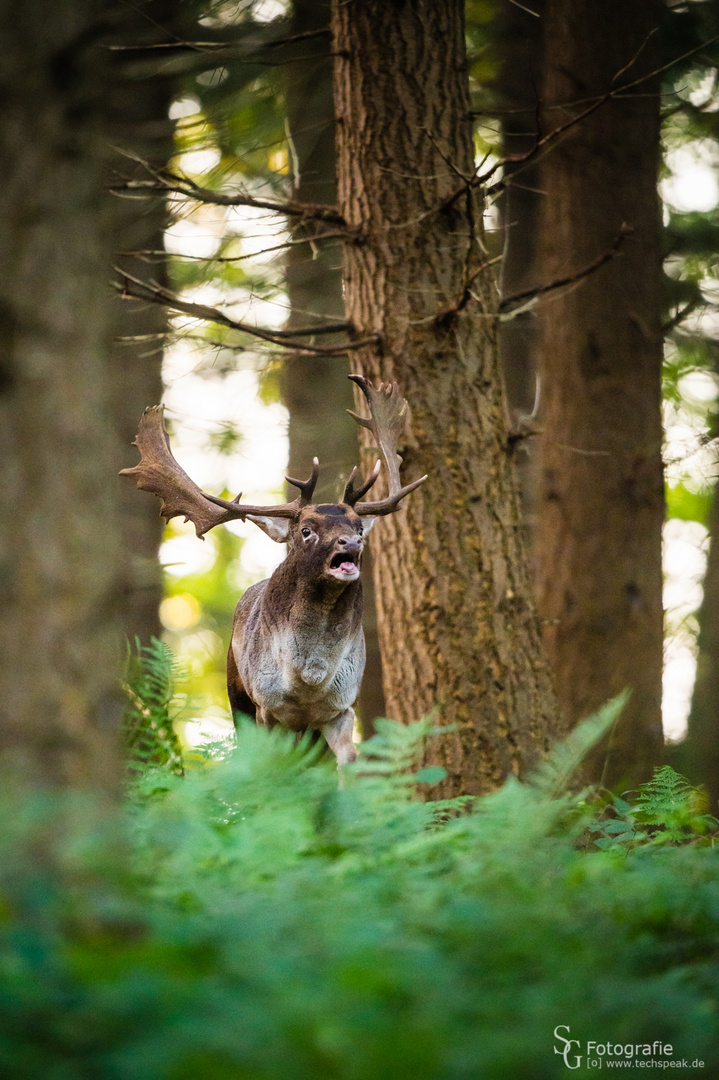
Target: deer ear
<point>276,528</point>
<point>367,523</point>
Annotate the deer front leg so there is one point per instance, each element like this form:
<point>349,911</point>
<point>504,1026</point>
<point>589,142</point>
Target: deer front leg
<point>338,734</point>
<point>264,718</point>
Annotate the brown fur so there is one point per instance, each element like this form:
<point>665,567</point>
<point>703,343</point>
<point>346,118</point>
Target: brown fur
<point>297,653</point>
<point>240,700</point>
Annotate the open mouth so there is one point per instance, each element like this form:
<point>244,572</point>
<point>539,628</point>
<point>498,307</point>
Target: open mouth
<point>344,565</point>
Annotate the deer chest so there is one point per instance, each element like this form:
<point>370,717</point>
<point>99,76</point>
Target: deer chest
<point>299,683</point>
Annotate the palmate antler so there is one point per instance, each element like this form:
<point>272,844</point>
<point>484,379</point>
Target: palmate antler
<point>386,422</point>
<point>159,472</point>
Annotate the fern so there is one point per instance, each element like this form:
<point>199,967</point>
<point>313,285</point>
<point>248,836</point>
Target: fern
<point>554,775</point>
<point>396,749</point>
<point>259,921</point>
<point>666,810</point>
<point>672,808</point>
<point>148,733</point>
<point>666,794</point>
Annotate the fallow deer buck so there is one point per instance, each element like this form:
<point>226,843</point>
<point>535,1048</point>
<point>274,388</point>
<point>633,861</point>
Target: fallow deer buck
<point>297,653</point>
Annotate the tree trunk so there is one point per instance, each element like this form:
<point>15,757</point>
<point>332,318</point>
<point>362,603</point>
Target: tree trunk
<point>139,97</point>
<point>457,627</point>
<point>601,503</point>
<point>316,389</point>
<point>519,41</point>
<point>59,550</point>
<point>698,754</point>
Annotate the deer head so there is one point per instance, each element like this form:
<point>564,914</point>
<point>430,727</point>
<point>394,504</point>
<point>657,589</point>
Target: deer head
<point>327,536</point>
<point>325,543</point>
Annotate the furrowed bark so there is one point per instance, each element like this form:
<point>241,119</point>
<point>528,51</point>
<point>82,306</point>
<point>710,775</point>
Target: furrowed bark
<point>458,630</point>
<point>315,389</point>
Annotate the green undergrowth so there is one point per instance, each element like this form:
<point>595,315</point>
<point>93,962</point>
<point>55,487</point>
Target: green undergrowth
<point>253,920</point>
<point>150,684</point>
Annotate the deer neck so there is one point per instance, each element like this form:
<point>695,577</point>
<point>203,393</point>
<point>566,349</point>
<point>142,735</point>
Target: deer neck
<point>315,624</point>
<point>299,600</point>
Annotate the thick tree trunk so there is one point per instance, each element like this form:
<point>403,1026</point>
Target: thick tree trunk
<point>316,390</point>
<point>601,504</point>
<point>457,627</point>
<point>59,565</point>
<point>139,97</point>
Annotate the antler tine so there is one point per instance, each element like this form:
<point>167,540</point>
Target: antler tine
<point>307,487</point>
<point>351,496</point>
<point>159,472</point>
<point>386,422</point>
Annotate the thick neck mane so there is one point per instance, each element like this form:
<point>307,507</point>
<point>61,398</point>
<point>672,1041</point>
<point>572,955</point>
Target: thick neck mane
<point>290,594</point>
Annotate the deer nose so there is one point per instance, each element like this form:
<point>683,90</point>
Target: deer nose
<point>351,543</point>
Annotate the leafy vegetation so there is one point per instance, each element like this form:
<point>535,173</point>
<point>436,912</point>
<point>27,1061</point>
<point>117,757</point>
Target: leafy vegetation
<point>150,682</point>
<point>267,923</point>
<point>667,810</point>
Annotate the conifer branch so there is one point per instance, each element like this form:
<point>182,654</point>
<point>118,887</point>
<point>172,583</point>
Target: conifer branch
<point>570,279</point>
<point>545,142</point>
<point>134,288</point>
<point>169,183</point>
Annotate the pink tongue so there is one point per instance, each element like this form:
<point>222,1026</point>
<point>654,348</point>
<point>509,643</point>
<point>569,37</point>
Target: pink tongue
<point>345,567</point>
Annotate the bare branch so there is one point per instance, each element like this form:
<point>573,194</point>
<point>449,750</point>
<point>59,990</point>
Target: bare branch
<point>182,185</point>
<point>214,46</point>
<point>161,254</point>
<point>552,136</point>
<point>134,288</point>
<point>677,319</point>
<point>523,8</point>
<point>530,294</point>
<point>195,46</point>
<point>637,54</point>
<point>546,141</point>
<point>448,313</point>
<point>324,31</point>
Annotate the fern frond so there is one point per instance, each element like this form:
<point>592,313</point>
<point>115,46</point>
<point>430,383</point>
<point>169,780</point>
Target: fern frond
<point>552,777</point>
<point>672,808</point>
<point>151,675</point>
<point>396,748</point>
<point>665,794</point>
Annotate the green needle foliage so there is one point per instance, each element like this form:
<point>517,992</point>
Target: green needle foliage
<point>266,923</point>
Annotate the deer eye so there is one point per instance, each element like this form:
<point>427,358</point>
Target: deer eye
<point>360,530</point>
<point>306,532</point>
